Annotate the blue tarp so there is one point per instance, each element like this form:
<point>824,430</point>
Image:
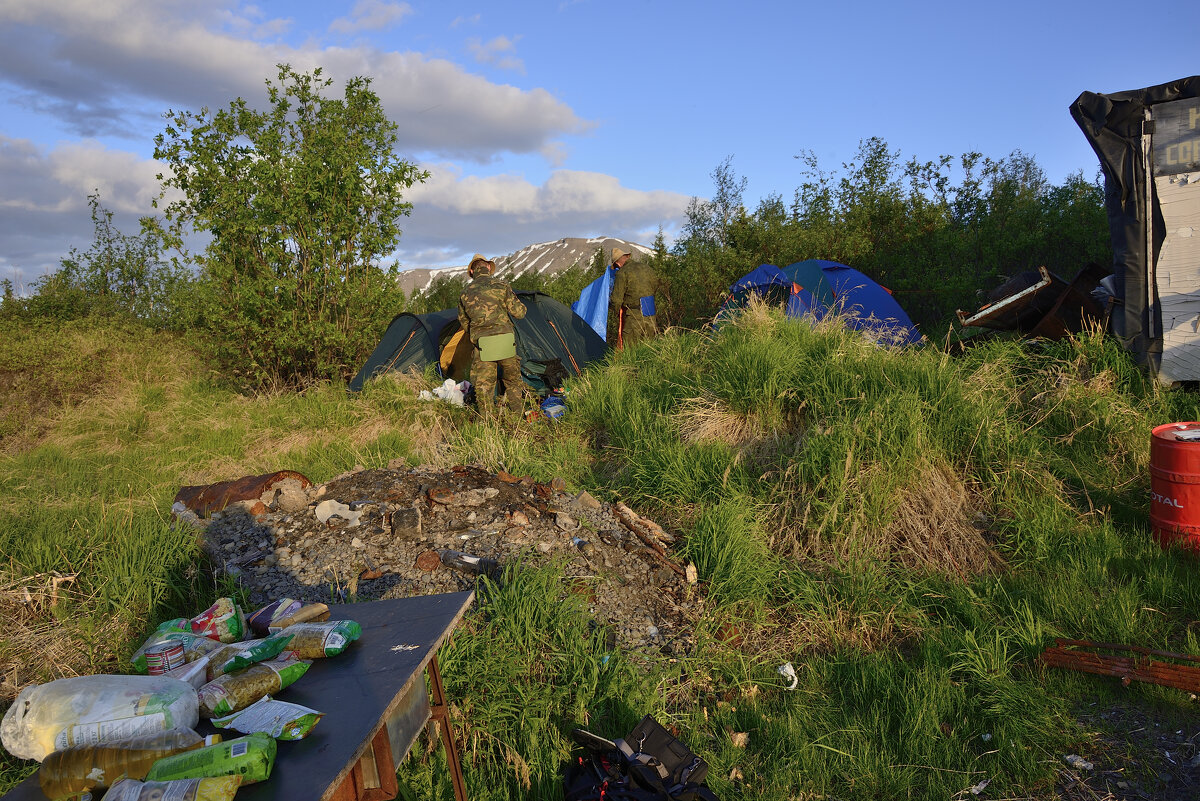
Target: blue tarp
<point>592,305</point>
<point>817,287</point>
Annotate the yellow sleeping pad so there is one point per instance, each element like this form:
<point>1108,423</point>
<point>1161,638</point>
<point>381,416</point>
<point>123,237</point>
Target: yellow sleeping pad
<point>455,359</point>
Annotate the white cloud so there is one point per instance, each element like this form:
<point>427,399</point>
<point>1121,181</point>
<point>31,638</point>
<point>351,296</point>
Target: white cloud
<point>471,20</point>
<point>498,52</point>
<point>371,15</point>
<point>456,213</point>
<point>43,207</point>
<point>43,204</point>
<point>112,67</point>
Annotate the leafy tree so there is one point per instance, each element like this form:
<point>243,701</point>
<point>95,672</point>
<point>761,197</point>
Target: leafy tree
<point>300,203</point>
<point>937,233</point>
<point>118,275</point>
<point>127,271</point>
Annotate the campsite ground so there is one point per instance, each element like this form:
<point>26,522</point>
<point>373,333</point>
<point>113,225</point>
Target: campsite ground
<point>908,529</point>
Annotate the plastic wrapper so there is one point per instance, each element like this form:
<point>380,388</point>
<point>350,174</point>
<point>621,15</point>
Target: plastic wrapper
<point>250,757</point>
<point>219,788</point>
<point>239,655</point>
<point>223,621</point>
<point>261,621</point>
<point>194,673</point>
<point>77,770</point>
<point>281,720</point>
<point>194,646</point>
<point>305,614</point>
<point>318,640</point>
<point>235,691</point>
<point>87,710</point>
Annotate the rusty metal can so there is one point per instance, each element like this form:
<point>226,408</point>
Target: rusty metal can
<point>164,656</point>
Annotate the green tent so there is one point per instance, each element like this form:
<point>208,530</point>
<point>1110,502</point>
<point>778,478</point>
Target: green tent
<point>549,331</point>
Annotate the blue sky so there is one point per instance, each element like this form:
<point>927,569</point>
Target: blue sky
<point>541,120</point>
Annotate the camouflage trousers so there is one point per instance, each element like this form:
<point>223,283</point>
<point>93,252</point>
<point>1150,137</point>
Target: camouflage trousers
<point>484,378</point>
<point>637,328</point>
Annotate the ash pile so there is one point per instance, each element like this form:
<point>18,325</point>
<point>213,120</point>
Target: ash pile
<point>393,533</point>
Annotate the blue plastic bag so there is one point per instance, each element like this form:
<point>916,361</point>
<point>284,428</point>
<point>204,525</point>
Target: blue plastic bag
<point>553,407</point>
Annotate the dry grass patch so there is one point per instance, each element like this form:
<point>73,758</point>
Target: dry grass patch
<point>707,419</point>
<point>932,525</point>
<point>41,639</point>
<point>783,633</point>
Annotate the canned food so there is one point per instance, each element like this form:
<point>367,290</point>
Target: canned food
<point>164,656</point>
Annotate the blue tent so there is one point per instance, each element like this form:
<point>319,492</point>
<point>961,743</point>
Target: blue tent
<point>592,305</point>
<point>817,287</point>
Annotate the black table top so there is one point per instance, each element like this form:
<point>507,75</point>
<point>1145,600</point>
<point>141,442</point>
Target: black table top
<point>357,690</point>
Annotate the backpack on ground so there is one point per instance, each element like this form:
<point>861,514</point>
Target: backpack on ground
<point>650,764</point>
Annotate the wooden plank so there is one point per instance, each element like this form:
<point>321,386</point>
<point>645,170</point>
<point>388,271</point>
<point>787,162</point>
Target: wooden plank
<point>359,691</point>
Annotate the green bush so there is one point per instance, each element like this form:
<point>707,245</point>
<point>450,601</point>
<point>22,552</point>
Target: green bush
<point>936,233</point>
<point>301,202</point>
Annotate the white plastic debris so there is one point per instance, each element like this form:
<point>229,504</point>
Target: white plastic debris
<point>788,671</point>
<point>331,508</point>
<point>1078,762</point>
<point>448,391</point>
<point>987,738</point>
<point>979,788</point>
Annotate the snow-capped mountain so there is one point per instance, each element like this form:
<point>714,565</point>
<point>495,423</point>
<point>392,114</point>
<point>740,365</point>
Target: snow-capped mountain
<point>546,258</point>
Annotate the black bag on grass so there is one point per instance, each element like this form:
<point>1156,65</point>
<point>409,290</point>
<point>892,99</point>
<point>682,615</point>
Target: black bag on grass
<point>650,764</point>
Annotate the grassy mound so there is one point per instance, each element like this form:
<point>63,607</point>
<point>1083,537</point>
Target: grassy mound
<point>908,529</point>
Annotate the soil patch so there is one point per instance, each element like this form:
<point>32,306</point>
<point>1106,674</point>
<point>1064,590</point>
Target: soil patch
<point>398,532</point>
<point>1139,750</point>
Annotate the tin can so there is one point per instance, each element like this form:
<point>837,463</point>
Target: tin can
<point>164,656</point>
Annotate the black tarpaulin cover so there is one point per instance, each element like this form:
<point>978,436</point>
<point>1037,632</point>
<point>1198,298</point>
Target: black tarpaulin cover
<point>1113,124</point>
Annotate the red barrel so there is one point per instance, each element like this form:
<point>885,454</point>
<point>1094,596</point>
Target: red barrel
<point>1175,484</point>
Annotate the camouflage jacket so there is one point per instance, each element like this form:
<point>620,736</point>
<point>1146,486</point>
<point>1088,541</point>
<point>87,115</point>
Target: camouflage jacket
<point>633,282</point>
<point>485,306</point>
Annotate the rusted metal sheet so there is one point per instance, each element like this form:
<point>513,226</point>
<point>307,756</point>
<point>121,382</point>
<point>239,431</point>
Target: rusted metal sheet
<point>1048,307</point>
<point>1075,307</point>
<point>1022,308</point>
<point>204,500</point>
<point>1135,666</point>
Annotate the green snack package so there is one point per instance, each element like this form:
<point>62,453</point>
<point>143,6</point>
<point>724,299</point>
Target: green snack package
<point>250,757</point>
<point>233,691</point>
<point>281,720</point>
<point>317,640</point>
<point>238,655</point>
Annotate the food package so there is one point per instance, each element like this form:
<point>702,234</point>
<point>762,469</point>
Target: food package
<point>234,691</point>
<point>250,757</point>
<point>261,621</point>
<point>238,655</point>
<point>219,788</point>
<point>82,768</point>
<point>281,720</point>
<point>86,710</point>
<point>317,640</point>
<point>194,673</point>
<point>307,613</point>
<point>194,646</point>
<point>222,621</point>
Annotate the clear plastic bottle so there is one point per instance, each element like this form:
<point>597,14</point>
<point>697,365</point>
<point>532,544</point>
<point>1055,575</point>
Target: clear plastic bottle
<point>75,770</point>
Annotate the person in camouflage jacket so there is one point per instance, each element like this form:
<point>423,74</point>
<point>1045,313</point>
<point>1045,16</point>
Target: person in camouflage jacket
<point>484,309</point>
<point>632,302</point>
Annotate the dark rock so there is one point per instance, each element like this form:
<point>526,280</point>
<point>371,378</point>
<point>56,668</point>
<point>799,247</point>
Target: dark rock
<point>406,522</point>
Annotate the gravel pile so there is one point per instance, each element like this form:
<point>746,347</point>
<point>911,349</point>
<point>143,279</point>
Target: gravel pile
<point>393,533</point>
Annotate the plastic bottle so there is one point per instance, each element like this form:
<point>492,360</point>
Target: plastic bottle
<point>76,770</point>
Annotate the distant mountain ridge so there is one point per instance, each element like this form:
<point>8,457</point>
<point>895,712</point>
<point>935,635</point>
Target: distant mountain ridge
<point>544,258</point>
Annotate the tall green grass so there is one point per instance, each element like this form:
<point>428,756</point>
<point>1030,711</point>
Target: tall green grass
<point>794,461</point>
